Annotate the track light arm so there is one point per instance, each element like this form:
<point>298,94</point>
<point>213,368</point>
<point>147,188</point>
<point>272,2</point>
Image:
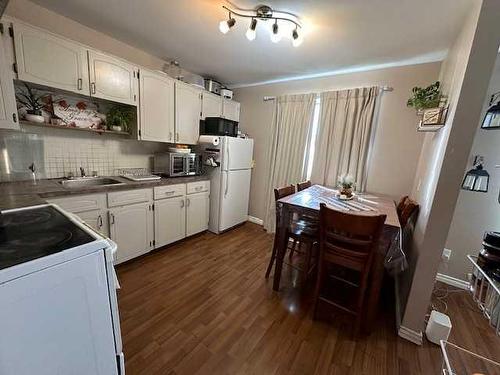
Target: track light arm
<point>259,16</point>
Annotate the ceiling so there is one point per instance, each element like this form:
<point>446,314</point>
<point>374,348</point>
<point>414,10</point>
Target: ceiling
<point>338,34</point>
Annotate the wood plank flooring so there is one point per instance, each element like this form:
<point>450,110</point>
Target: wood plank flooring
<point>203,306</point>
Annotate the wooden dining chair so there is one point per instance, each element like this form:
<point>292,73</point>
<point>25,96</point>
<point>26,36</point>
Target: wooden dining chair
<point>303,185</point>
<point>299,231</point>
<point>347,242</point>
<point>406,208</point>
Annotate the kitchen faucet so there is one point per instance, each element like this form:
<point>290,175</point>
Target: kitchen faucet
<point>82,172</point>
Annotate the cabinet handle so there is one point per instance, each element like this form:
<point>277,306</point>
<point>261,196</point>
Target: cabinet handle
<point>170,136</point>
<point>188,202</point>
<point>198,188</point>
<point>112,218</point>
<point>79,83</point>
<point>99,221</point>
<point>169,192</point>
<point>177,137</point>
<point>92,87</point>
<point>182,203</point>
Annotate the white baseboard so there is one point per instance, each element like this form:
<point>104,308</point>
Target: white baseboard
<point>410,335</point>
<point>453,281</point>
<point>255,220</point>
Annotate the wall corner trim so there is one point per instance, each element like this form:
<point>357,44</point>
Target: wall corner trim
<point>410,335</point>
<point>453,281</point>
<point>255,220</point>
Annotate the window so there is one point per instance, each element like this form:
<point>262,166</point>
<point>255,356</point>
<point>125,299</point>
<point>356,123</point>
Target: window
<point>311,145</point>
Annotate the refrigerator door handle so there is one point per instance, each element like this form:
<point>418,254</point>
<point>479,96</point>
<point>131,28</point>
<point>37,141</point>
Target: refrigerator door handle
<point>227,184</point>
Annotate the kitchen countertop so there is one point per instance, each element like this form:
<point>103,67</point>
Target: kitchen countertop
<point>18,194</point>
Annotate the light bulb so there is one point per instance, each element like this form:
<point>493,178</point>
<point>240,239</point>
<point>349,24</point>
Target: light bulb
<point>224,26</point>
<point>251,34</point>
<point>275,36</point>
<point>296,38</point>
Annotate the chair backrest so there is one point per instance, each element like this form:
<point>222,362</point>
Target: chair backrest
<point>283,192</point>
<point>303,185</point>
<point>406,208</point>
<point>349,240</point>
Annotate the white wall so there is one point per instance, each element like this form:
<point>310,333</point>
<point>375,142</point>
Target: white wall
<point>396,145</point>
<point>476,212</point>
<point>465,76</point>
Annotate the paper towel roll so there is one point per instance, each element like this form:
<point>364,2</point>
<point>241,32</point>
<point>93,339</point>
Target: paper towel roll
<point>209,139</point>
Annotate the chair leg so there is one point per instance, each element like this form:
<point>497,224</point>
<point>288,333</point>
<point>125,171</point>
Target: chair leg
<point>273,257</point>
<point>294,244</point>
<point>317,289</point>
<point>307,262</point>
<point>360,302</point>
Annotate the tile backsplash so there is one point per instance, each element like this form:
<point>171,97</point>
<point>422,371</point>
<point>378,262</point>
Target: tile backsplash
<point>56,153</point>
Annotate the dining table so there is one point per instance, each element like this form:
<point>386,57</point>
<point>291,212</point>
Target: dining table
<point>307,202</point>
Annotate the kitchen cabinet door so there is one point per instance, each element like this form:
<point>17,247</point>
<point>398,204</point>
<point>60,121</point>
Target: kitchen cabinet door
<point>97,220</point>
<point>49,60</point>
<point>156,97</point>
<point>8,110</point>
<point>170,220</point>
<point>211,105</point>
<point>112,78</point>
<point>131,227</point>
<point>197,209</point>
<point>187,113</point>
<point>231,110</point>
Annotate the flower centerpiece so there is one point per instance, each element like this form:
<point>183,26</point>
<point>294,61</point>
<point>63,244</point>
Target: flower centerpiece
<point>346,184</point>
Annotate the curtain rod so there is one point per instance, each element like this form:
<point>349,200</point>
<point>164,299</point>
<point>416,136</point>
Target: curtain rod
<point>382,89</point>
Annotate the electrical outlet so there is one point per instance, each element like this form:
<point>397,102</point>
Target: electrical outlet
<point>446,255</point>
<point>469,277</point>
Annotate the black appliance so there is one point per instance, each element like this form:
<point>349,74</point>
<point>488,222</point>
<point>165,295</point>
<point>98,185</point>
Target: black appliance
<point>219,126</point>
<point>489,256</point>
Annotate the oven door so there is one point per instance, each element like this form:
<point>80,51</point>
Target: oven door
<point>192,162</point>
<point>177,165</point>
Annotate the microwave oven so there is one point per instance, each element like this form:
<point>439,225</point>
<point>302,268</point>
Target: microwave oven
<point>219,126</point>
<point>176,164</point>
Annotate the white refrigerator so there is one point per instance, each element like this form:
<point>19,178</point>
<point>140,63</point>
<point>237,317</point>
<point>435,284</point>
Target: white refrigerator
<point>230,182</point>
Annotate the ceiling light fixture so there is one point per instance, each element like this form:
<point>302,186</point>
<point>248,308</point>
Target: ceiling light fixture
<point>264,13</point>
<point>225,25</point>
<point>275,36</point>
<point>251,33</point>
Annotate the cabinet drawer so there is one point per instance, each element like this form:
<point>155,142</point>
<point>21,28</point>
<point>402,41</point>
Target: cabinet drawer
<point>81,203</point>
<point>198,187</point>
<point>169,191</point>
<point>122,198</point>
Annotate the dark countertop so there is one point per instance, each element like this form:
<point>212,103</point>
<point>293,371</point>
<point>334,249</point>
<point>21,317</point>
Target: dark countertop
<point>25,193</point>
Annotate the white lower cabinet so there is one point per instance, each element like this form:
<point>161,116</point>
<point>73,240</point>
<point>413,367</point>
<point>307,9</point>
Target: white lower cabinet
<point>97,220</point>
<point>197,209</point>
<point>170,220</point>
<point>131,227</point>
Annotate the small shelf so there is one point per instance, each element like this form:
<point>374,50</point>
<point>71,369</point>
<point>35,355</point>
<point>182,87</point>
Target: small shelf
<point>89,130</point>
<point>486,293</point>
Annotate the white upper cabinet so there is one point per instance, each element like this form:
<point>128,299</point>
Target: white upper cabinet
<point>211,105</point>
<point>49,60</point>
<point>187,113</point>
<point>157,108</point>
<point>231,110</point>
<point>8,110</point>
<point>112,78</point>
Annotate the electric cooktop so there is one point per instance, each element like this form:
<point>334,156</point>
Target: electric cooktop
<point>28,234</point>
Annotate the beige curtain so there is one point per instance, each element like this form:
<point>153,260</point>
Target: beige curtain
<point>343,139</point>
<point>289,133</point>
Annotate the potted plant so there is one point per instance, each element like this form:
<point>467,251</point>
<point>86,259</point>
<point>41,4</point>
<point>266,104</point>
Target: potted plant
<point>346,184</point>
<point>425,98</point>
<point>118,118</point>
<point>33,101</point>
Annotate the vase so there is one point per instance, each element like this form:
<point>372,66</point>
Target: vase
<point>35,118</point>
<point>116,128</point>
<point>347,192</point>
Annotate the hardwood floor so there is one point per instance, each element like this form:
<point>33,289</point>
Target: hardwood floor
<point>203,306</point>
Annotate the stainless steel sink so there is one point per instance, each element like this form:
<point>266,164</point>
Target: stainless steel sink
<point>90,181</point>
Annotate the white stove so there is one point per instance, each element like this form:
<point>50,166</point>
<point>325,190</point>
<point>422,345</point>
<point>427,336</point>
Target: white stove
<point>59,310</point>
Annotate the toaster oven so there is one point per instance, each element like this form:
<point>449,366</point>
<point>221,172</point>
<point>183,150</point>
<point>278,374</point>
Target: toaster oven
<point>176,164</point>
